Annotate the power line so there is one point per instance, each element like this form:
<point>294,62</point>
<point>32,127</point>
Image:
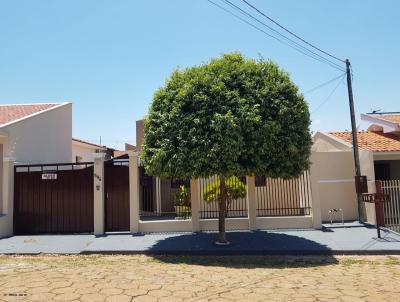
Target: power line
<point>238,8</point>
<point>330,95</point>
<point>271,36</point>
<point>324,84</point>
<point>292,33</point>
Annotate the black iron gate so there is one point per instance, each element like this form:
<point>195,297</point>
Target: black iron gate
<point>116,199</point>
<point>392,206</point>
<point>53,198</point>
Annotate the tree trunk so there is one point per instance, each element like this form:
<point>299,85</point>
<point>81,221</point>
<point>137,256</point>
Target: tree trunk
<point>222,211</point>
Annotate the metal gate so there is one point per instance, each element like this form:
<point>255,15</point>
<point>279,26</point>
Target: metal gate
<point>146,193</point>
<point>53,199</point>
<point>116,199</point>
<point>392,207</point>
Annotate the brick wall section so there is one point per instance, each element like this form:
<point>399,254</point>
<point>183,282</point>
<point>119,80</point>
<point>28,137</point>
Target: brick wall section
<point>139,134</point>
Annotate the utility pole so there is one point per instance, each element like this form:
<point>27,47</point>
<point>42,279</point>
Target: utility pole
<point>354,134</point>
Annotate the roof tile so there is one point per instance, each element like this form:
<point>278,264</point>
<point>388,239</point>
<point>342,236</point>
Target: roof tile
<point>374,141</point>
<point>390,117</point>
<point>10,113</point>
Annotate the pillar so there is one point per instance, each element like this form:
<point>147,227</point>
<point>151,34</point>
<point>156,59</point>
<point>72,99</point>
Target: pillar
<point>316,203</point>
<point>158,195</point>
<point>251,202</point>
<point>6,228</point>
<point>134,209</point>
<point>195,204</point>
<point>98,209</point>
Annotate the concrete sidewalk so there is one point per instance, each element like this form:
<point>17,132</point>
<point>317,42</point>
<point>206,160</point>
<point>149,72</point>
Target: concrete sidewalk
<point>350,239</point>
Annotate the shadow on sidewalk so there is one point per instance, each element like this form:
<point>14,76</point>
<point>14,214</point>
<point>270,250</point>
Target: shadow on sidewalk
<point>248,249</point>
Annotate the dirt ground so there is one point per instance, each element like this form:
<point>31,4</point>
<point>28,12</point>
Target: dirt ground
<point>199,278</point>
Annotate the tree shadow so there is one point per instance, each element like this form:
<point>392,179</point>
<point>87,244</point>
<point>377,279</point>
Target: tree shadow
<point>248,250</point>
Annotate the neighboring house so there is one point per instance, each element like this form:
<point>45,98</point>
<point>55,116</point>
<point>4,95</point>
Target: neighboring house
<point>379,149</point>
<point>124,153</point>
<point>83,151</point>
<point>36,133</point>
<point>382,139</point>
<point>139,134</point>
<point>42,133</point>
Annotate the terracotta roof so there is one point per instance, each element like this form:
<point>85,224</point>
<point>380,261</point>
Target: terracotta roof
<point>390,117</point>
<point>10,113</point>
<point>374,141</point>
<point>118,153</point>
<point>88,143</point>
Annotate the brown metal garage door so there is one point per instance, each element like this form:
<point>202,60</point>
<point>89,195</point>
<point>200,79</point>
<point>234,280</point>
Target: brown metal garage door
<point>116,190</point>
<point>53,199</point>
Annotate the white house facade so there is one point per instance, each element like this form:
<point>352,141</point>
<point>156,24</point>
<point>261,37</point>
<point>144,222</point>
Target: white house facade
<point>36,133</point>
<point>83,151</point>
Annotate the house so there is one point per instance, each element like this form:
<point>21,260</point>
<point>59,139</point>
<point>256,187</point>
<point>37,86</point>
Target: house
<point>36,137</point>
<point>379,150</point>
<point>124,153</point>
<point>83,151</point>
<point>275,197</point>
<point>382,139</point>
<point>36,133</point>
<point>42,133</point>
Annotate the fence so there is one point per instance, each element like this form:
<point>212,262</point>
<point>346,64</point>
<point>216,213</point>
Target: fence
<point>392,207</point>
<point>283,197</point>
<point>274,197</point>
<point>163,198</point>
<point>236,191</point>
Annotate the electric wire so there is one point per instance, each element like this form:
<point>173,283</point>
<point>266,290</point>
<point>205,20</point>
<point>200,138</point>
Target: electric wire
<point>239,9</point>
<point>329,96</point>
<point>323,84</point>
<point>266,33</point>
<point>290,32</point>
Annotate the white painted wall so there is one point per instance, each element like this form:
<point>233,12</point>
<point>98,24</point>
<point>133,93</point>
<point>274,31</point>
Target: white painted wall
<point>334,172</point>
<point>42,138</point>
<point>83,150</point>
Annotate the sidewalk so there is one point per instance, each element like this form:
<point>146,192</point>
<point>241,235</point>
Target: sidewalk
<point>350,239</point>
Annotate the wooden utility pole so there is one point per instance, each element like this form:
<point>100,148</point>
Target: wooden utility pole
<point>354,134</point>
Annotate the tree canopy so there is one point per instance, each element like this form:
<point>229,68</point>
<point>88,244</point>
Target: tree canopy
<point>230,116</point>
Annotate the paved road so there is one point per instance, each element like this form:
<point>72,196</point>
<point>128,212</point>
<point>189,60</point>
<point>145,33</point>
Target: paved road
<point>199,278</point>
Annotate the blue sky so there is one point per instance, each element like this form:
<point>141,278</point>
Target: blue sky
<point>108,57</point>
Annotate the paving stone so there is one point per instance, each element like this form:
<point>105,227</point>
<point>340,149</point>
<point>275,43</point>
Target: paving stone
<point>92,298</point>
<point>118,298</point>
<point>140,278</point>
<point>66,297</point>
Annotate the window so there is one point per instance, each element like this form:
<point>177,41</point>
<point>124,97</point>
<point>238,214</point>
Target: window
<point>382,171</point>
<point>260,181</point>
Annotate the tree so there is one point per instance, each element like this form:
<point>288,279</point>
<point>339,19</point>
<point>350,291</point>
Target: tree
<point>234,189</point>
<point>231,116</point>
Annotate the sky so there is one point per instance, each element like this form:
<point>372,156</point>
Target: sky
<point>109,57</point>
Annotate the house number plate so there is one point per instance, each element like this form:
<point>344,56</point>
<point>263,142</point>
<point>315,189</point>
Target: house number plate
<point>49,176</point>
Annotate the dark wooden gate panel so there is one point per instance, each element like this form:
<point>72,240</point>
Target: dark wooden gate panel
<point>146,193</point>
<point>116,178</point>
<point>53,206</point>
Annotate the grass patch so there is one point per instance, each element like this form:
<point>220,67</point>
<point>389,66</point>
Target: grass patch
<point>391,260</point>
